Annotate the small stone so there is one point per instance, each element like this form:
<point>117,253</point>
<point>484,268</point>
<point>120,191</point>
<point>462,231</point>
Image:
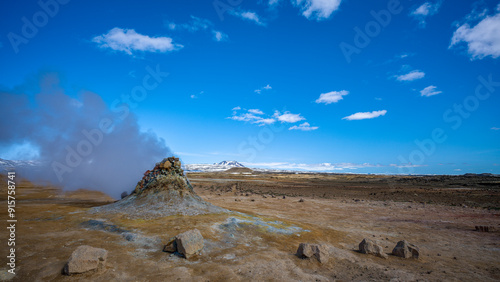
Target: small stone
<point>368,246</point>
<point>406,250</point>
<point>84,259</point>
<point>301,200</point>
<point>189,243</point>
<point>307,250</point>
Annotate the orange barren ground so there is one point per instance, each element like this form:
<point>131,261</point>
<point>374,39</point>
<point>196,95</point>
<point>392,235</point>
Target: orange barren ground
<point>338,211</point>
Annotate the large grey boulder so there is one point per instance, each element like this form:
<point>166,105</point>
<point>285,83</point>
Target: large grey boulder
<point>84,259</point>
<point>406,250</point>
<point>368,246</point>
<point>187,244</point>
<point>307,250</point>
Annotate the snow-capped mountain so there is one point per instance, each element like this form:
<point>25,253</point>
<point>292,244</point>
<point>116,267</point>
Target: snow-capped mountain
<point>8,164</point>
<point>230,163</point>
<point>222,166</point>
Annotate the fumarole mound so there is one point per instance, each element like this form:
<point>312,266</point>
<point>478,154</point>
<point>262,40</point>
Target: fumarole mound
<point>163,191</point>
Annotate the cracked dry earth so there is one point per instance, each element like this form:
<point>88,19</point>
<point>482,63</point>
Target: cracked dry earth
<point>52,224</point>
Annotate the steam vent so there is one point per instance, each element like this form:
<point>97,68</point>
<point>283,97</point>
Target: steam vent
<point>163,191</point>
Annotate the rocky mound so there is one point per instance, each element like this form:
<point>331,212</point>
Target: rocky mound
<point>162,191</point>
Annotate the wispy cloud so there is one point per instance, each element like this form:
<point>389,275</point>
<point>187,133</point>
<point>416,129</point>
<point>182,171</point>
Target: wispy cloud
<point>128,41</point>
<point>429,91</point>
<point>365,115</point>
<point>194,96</point>
<point>425,10</point>
<point>288,117</point>
<point>259,91</point>
<point>331,97</point>
<point>247,15</point>
<point>317,9</point>
<point>413,75</point>
<point>254,116</point>
<point>219,35</point>
<point>304,127</point>
<point>273,3</point>
<point>197,24</point>
<point>483,39</point>
<point>256,111</point>
<point>495,128</point>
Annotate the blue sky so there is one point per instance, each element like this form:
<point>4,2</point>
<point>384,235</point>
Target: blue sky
<point>343,86</point>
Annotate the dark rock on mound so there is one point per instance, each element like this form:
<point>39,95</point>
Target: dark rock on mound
<point>163,191</point>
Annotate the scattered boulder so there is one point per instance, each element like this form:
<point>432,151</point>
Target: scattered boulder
<point>368,246</point>
<point>406,250</point>
<point>307,250</point>
<point>124,194</point>
<point>301,200</point>
<point>187,244</point>
<point>84,259</point>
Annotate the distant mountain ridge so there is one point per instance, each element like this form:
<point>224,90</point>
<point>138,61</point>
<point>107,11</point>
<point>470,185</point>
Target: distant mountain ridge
<point>221,166</point>
<point>8,164</point>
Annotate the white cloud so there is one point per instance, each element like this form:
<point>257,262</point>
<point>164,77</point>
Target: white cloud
<point>245,117</point>
<point>256,116</point>
<point>317,9</point>
<point>425,10</point>
<point>219,35</point>
<point>265,121</point>
<point>413,75</point>
<point>252,115</point>
<point>256,111</point>
<point>495,128</point>
<point>311,167</point>
<point>288,117</point>
<point>193,96</point>
<point>483,39</point>
<point>128,41</point>
<point>304,127</point>
<point>365,115</point>
<point>273,3</point>
<point>259,91</point>
<point>198,24</point>
<point>331,97</point>
<point>247,15</point>
<point>429,91</point>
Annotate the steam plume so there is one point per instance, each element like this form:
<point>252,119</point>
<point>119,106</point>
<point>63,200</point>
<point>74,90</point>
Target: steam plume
<point>82,142</point>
